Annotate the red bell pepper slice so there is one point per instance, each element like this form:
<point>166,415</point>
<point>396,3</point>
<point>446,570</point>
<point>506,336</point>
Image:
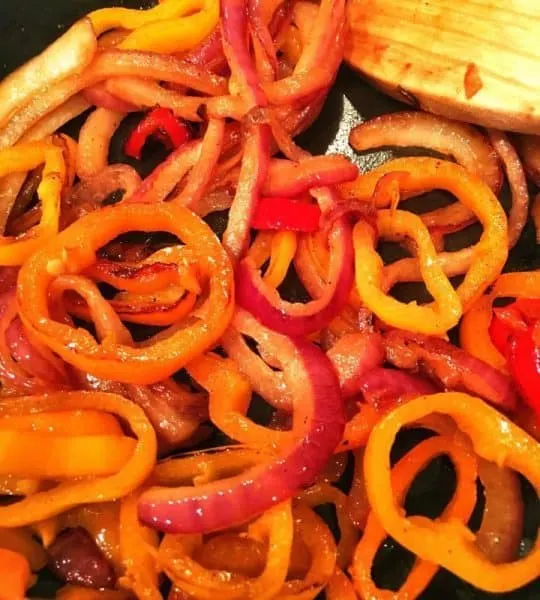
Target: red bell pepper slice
<point>286,214</point>
<point>524,366</point>
<point>162,123</point>
<point>506,322</point>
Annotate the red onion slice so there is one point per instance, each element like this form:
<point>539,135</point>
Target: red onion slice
<point>419,129</point>
<point>454,368</point>
<point>102,98</point>
<point>518,184</point>
<point>318,424</point>
<point>501,530</point>
<point>287,178</point>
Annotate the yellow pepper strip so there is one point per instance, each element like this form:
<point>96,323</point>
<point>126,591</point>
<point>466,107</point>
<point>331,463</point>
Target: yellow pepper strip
<point>230,395</point>
<point>259,251</point>
<point>64,422</point>
<point>433,319</point>
<point>282,253</point>
<point>105,19</point>
<point>62,457</point>
<point>425,174</point>
<point>22,542</point>
<point>451,544</point>
<point>474,330</point>
<point>174,35</point>
<point>322,493</point>
<point>459,509</point>
<point>70,156</point>
<point>138,550</point>
<point>275,526</point>
<point>23,158</point>
<point>45,504</point>
<point>199,468</point>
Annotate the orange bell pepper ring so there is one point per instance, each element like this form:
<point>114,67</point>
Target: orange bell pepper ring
<point>20,159</point>
<point>73,251</point>
<point>451,544</point>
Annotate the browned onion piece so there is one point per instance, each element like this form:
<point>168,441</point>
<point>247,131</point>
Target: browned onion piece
<point>501,530</point>
<point>518,184</point>
<point>69,54</point>
<point>146,94</point>
<point>418,129</point>
<point>529,150</point>
<point>76,559</point>
<point>450,366</point>
<point>94,141</point>
<point>175,413</point>
<point>88,195</point>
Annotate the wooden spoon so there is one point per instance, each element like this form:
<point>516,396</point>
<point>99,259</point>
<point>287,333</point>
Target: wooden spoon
<point>472,60</point>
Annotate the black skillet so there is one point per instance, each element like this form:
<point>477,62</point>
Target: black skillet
<point>27,26</point>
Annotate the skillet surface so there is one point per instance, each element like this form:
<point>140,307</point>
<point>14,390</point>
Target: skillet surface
<point>26,27</point>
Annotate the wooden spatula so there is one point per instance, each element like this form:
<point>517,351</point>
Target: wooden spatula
<point>472,60</point>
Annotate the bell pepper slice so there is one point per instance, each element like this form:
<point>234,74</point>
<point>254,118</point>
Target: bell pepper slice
<point>452,544</point>
<point>73,251</point>
<point>15,575</point>
<point>286,214</point>
<point>23,158</point>
<point>160,121</point>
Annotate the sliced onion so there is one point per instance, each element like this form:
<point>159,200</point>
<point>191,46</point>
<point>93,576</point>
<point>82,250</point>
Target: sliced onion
<point>164,178</point>
<point>88,195</point>
<point>94,141</point>
<point>296,318</point>
<point>384,388</point>
<point>100,96</point>
<point>109,64</point>
<point>287,178</point>
<point>419,129</point>
<point>518,184</point>
<point>318,425</point>
<point>251,179</point>
<point>529,150</point>
<point>143,93</point>
<point>265,381</point>
<point>209,53</point>
<point>500,533</point>
<point>353,356</point>
<point>69,54</point>
<point>450,366</point>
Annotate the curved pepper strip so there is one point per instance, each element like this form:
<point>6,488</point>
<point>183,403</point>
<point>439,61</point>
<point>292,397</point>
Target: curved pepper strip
<point>425,174</point>
<point>62,457</point>
<point>138,551</point>
<point>64,422</point>
<point>105,19</point>
<point>340,587</point>
<point>20,159</point>
<point>474,330</point>
<point>280,248</point>
<point>449,544</point>
<point>433,319</point>
<point>319,541</point>
<point>459,509</point>
<point>275,526</point>
<point>172,36</point>
<point>45,504</point>
<point>73,251</point>
<point>230,395</point>
<point>322,493</point>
